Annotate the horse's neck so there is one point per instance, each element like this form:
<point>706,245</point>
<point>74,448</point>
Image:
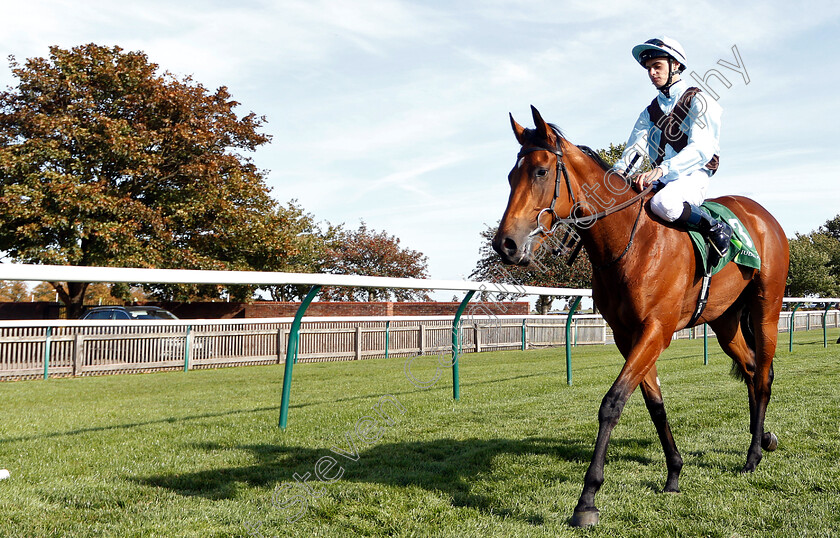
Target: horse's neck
<point>607,238</point>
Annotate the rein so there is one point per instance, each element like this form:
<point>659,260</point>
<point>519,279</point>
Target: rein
<point>632,236</point>
<point>556,220</point>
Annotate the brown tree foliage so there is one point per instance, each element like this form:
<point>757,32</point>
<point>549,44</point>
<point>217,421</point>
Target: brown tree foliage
<point>106,162</point>
<point>14,292</point>
<point>372,253</point>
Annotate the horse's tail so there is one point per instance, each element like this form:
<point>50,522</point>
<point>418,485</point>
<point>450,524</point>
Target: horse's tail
<point>749,338</point>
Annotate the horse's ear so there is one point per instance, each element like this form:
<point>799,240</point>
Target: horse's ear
<point>518,130</point>
<point>545,132</point>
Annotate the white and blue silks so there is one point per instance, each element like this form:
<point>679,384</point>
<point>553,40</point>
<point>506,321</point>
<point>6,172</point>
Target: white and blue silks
<point>685,175</point>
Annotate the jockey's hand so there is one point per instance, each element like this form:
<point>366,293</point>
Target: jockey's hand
<point>644,179</point>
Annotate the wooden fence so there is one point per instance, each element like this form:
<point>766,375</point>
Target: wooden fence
<point>78,348</point>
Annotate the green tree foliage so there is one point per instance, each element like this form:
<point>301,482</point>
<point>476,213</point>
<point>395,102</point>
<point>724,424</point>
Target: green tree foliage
<point>613,153</point>
<point>814,265</point>
<point>310,254</point>
<point>105,162</point>
<point>832,228</point>
<point>372,253</point>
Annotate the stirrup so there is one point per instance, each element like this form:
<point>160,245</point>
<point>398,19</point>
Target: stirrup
<point>720,232</point>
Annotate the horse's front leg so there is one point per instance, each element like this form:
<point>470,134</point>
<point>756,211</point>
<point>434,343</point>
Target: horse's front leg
<point>656,408</point>
<point>641,357</point>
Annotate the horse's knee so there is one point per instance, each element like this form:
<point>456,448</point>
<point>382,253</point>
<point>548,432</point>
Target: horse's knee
<point>611,407</point>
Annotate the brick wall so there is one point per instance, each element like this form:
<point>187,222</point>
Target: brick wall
<point>29,310</point>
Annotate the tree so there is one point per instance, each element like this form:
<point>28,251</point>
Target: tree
<point>105,162</point>
<point>372,253</point>
<point>14,292</point>
<point>278,238</point>
<point>831,228</point>
<point>309,254</point>
<point>814,264</point>
<point>44,293</point>
<point>831,231</point>
<point>613,153</point>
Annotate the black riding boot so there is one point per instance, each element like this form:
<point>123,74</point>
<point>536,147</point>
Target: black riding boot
<point>716,232</point>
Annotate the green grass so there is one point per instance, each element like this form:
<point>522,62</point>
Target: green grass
<point>200,454</point>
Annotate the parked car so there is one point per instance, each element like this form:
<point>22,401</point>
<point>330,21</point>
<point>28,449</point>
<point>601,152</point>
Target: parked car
<point>127,312</point>
<point>164,347</point>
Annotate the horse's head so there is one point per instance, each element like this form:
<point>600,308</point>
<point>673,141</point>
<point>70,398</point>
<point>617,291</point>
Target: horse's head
<point>540,190</point>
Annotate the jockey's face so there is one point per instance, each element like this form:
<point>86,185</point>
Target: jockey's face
<point>658,71</point>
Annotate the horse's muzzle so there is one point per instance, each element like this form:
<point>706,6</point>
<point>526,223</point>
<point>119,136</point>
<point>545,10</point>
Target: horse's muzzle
<point>512,252</point>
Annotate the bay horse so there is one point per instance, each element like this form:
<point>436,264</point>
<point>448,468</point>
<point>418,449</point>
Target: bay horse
<point>645,281</point>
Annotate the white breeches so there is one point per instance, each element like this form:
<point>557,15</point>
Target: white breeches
<point>668,202</point>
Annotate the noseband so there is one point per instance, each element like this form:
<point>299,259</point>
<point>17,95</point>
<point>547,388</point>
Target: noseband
<point>559,171</point>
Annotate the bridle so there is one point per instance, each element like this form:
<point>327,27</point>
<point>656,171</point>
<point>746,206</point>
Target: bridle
<point>561,170</point>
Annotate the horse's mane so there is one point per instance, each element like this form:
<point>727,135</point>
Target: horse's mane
<point>595,156</point>
<point>532,137</point>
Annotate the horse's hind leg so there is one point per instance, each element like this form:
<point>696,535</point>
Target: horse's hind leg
<point>765,324</point>
<point>741,348</point>
<point>656,408</point>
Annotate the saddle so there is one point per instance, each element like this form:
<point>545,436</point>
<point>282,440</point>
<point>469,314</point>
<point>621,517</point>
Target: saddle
<point>742,251</point>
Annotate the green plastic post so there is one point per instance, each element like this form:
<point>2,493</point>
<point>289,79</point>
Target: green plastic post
<point>187,349</point>
<point>825,329</point>
<point>705,344</point>
<point>456,344</point>
<point>47,345</point>
<point>568,343</point>
<point>524,333</point>
<point>792,327</point>
<point>387,334</point>
<point>291,353</point>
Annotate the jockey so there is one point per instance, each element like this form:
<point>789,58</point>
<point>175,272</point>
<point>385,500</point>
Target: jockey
<point>680,132</point>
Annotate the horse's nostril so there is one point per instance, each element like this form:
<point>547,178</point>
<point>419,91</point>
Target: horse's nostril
<point>509,244</point>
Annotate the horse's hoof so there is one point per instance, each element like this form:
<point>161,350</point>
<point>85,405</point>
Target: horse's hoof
<point>769,442</point>
<point>584,519</point>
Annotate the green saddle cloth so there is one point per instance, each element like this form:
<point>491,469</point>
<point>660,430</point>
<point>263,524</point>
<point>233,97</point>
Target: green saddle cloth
<point>742,249</point>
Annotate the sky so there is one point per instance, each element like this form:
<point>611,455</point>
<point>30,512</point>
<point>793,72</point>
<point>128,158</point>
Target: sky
<point>395,112</point>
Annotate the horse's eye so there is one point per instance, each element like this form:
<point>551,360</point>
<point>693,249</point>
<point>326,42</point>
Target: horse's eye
<point>540,173</point>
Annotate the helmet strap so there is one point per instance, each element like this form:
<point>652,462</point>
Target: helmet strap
<point>665,88</point>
